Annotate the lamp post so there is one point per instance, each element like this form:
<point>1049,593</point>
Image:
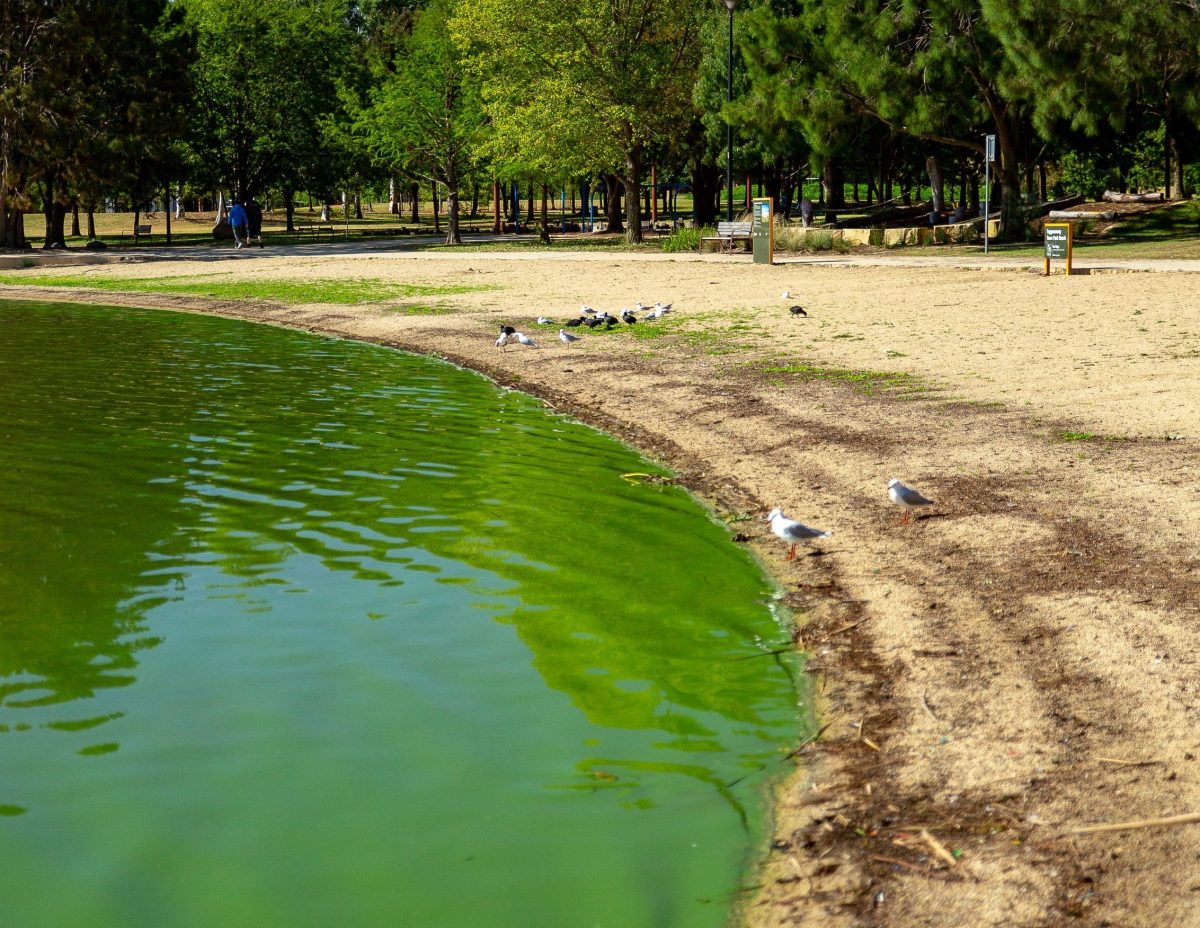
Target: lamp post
<point>729,5</point>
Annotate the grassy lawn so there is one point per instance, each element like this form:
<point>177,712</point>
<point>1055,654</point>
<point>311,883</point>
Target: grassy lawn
<point>219,286</point>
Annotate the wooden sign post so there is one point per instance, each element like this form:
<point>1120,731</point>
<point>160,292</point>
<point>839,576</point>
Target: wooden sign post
<point>1060,243</point>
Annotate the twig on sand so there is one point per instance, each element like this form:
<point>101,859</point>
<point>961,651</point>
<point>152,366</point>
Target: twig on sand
<point>939,848</point>
<point>844,628</point>
<point>1129,763</point>
<point>1187,819</point>
<point>928,708</point>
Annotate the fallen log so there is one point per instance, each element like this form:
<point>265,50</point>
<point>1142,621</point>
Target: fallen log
<point>1112,196</point>
<point>1108,214</point>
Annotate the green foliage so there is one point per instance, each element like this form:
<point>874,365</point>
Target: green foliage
<point>1082,173</point>
<point>685,238</point>
<point>267,74</point>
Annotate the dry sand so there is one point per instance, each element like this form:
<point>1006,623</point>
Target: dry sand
<point>1016,662</point>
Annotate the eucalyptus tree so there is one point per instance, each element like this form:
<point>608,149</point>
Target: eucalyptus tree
<point>266,76</point>
<point>608,77</point>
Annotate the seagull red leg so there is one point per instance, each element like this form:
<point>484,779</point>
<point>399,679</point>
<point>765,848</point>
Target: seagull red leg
<point>791,555</point>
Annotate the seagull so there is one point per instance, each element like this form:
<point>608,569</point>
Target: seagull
<point>526,340</point>
<point>907,497</point>
<point>797,310</point>
<point>507,330</point>
<point>566,337</point>
<point>793,531</point>
<point>661,308</point>
<point>587,310</point>
<point>786,295</point>
<point>542,320</point>
<point>627,317</point>
<point>502,340</point>
<point>574,322</point>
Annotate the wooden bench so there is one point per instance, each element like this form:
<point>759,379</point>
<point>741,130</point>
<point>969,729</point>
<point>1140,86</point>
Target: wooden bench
<point>727,234</point>
<point>315,228</point>
<point>140,230</point>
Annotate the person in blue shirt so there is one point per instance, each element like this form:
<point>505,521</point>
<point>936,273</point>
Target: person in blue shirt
<point>238,221</point>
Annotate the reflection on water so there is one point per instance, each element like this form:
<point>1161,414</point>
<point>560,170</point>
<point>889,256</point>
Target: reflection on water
<point>298,631</point>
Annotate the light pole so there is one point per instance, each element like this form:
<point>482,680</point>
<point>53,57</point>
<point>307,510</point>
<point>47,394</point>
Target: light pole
<point>729,5</point>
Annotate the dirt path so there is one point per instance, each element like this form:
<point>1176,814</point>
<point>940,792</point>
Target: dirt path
<point>1017,662</point>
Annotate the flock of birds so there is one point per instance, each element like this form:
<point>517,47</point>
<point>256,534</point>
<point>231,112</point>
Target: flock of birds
<point>790,530</point>
<point>591,318</point>
<point>594,319</point>
<point>798,533</point>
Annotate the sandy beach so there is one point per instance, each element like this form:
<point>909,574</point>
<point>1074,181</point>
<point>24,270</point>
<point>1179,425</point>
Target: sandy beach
<point>1014,664</point>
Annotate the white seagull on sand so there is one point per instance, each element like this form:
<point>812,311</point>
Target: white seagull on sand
<point>793,531</point>
<point>566,337</point>
<point>526,340</point>
<point>502,340</point>
<point>542,320</point>
<point>907,497</point>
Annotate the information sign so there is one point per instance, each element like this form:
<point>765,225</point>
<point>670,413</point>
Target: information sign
<point>1060,240</point>
<point>762,230</point>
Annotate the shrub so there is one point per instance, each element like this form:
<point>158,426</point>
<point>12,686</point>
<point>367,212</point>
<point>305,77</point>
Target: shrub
<point>685,238</point>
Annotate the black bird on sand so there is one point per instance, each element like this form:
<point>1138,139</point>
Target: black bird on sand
<point>507,330</point>
<point>628,318</point>
<point>592,322</point>
<point>572,323</point>
<point>797,311</point>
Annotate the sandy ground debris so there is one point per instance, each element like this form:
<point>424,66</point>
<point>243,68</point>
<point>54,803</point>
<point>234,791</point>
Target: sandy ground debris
<point>1017,661</point>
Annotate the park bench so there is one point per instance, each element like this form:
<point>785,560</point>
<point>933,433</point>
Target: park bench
<point>315,229</point>
<point>143,229</point>
<point>727,234</point>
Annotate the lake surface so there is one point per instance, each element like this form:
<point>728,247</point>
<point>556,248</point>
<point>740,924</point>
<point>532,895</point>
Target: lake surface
<point>301,632</point>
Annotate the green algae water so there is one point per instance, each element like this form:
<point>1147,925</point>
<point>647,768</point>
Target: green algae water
<point>300,632</point>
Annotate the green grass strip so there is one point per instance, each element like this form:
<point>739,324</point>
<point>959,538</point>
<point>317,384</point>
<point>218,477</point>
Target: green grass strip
<point>322,290</point>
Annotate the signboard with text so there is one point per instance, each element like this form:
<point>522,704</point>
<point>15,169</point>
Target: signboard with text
<point>1059,241</point>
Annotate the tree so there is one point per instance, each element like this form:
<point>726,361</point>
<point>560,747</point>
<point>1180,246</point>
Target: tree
<point>1095,63</point>
<point>426,115</point>
<point>600,81</point>
<point>104,124</point>
<point>266,74</point>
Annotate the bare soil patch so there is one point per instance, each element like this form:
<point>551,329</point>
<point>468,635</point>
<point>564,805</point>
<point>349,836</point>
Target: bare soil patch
<point>1020,660</point>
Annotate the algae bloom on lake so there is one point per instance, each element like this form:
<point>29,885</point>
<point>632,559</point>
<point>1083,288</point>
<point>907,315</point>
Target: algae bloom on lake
<point>304,632</point>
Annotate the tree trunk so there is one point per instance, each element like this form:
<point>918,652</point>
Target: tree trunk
<point>705,178</point>
<point>633,202</point>
<point>415,192</point>
<point>497,207</point>
<point>475,200</point>
<point>612,204</point>
<point>437,213</point>
<point>544,233</point>
<point>75,233</point>
<point>91,217</point>
<point>937,183</point>
<point>289,209</point>
<point>453,237</point>
<point>1042,181</point>
<point>358,205</point>
<point>393,203</point>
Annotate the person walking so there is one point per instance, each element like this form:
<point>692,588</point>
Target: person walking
<point>237,222</point>
<point>254,221</point>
